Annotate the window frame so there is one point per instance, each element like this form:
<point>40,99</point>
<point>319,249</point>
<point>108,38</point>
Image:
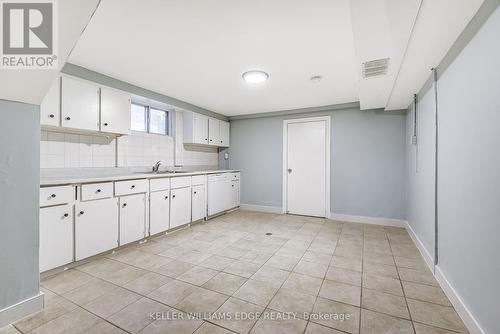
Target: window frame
<point>147,112</point>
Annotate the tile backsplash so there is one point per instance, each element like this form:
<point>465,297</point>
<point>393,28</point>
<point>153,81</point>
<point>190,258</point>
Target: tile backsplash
<point>66,150</point>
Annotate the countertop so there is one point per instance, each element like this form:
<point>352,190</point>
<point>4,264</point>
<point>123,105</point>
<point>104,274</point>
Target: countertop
<point>53,180</point>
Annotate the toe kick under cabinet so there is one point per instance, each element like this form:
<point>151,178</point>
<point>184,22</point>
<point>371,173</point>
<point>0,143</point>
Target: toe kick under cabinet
<point>82,220</point>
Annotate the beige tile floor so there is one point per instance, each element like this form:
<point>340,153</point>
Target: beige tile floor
<point>310,276</point>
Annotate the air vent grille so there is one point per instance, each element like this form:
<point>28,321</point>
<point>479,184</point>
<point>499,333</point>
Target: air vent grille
<point>375,67</point>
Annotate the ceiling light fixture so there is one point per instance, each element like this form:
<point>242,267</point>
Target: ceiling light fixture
<point>255,76</point>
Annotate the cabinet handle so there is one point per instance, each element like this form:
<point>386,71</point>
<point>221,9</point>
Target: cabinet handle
<point>124,205</point>
<point>68,118</point>
<point>105,124</point>
<point>53,195</point>
<point>210,139</point>
<point>232,185</point>
<point>173,196</point>
<point>132,186</point>
<point>82,212</point>
<point>221,141</point>
<point>195,192</point>
<point>206,139</point>
<point>98,190</point>
<point>51,116</point>
<point>66,215</point>
<point>166,197</point>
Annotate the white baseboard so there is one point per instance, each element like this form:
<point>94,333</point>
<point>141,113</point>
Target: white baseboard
<point>457,302</point>
<point>368,220</point>
<point>428,258</point>
<point>261,208</point>
<point>22,309</point>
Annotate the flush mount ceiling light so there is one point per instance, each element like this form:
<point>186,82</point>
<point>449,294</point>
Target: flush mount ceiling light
<point>255,76</point>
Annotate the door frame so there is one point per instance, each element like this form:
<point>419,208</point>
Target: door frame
<point>327,120</point>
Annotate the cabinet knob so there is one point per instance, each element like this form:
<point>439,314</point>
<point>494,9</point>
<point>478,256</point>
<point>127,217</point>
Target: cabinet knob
<point>68,118</point>
<point>124,204</point>
<point>221,141</point>
<point>206,139</point>
<point>166,197</point>
<point>195,192</point>
<point>105,124</point>
<point>210,139</point>
<point>66,215</point>
<point>232,185</point>
<point>53,195</point>
<point>51,116</point>
<point>98,190</point>
<point>82,212</point>
<point>173,196</point>
<point>132,186</point>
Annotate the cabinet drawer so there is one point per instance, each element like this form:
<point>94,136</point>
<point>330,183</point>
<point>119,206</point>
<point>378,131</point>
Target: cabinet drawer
<point>159,184</point>
<point>180,182</point>
<point>199,179</point>
<point>235,176</point>
<point>96,191</point>
<point>131,187</point>
<point>56,195</point>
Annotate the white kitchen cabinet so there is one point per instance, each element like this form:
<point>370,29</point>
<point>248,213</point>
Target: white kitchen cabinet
<point>195,128</point>
<point>115,111</point>
<point>224,133</point>
<point>235,194</point>
<point>56,236</point>
<point>79,104</point>
<point>199,204</point>
<point>50,108</point>
<point>132,218</point>
<point>219,193</point>
<point>159,212</point>
<point>213,131</point>
<point>180,206</point>
<point>96,227</point>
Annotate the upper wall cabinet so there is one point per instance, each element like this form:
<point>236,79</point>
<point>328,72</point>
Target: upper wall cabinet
<point>203,130</point>
<point>115,111</point>
<point>82,105</point>
<point>79,104</point>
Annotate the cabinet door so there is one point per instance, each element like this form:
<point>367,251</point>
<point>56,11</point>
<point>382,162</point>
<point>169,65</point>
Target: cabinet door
<point>132,218</point>
<point>50,108</point>
<point>200,129</point>
<point>224,134</point>
<point>180,206</point>
<point>199,204</point>
<point>235,194</point>
<point>79,104</point>
<point>115,111</point>
<point>96,227</point>
<point>56,236</point>
<point>213,131</point>
<point>159,212</point>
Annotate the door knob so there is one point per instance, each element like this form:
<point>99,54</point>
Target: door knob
<point>289,170</point>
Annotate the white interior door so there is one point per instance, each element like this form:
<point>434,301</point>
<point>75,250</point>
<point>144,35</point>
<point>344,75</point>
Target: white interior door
<point>307,167</point>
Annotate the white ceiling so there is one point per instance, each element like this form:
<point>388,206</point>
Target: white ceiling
<point>196,50</point>
<point>30,86</point>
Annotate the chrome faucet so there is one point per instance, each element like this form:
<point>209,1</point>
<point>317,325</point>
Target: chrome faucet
<point>156,167</point>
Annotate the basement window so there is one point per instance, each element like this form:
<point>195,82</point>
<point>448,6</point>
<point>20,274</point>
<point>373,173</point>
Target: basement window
<point>149,119</point>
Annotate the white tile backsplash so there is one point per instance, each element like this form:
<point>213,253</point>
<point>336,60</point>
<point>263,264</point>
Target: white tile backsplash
<point>65,150</point>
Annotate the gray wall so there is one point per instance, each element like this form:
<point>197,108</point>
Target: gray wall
<point>367,161</point>
<point>19,200</point>
<point>469,174</point>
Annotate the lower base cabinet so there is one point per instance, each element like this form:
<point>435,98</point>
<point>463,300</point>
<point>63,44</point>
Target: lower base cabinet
<point>132,218</point>
<point>199,206</point>
<point>56,236</point>
<point>96,227</point>
<point>235,194</point>
<point>180,206</point>
<point>159,211</point>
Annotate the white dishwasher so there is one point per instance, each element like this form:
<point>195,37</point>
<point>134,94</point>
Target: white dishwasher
<point>219,193</point>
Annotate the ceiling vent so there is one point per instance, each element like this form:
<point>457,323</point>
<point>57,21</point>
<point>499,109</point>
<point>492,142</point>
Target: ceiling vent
<point>375,67</point>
